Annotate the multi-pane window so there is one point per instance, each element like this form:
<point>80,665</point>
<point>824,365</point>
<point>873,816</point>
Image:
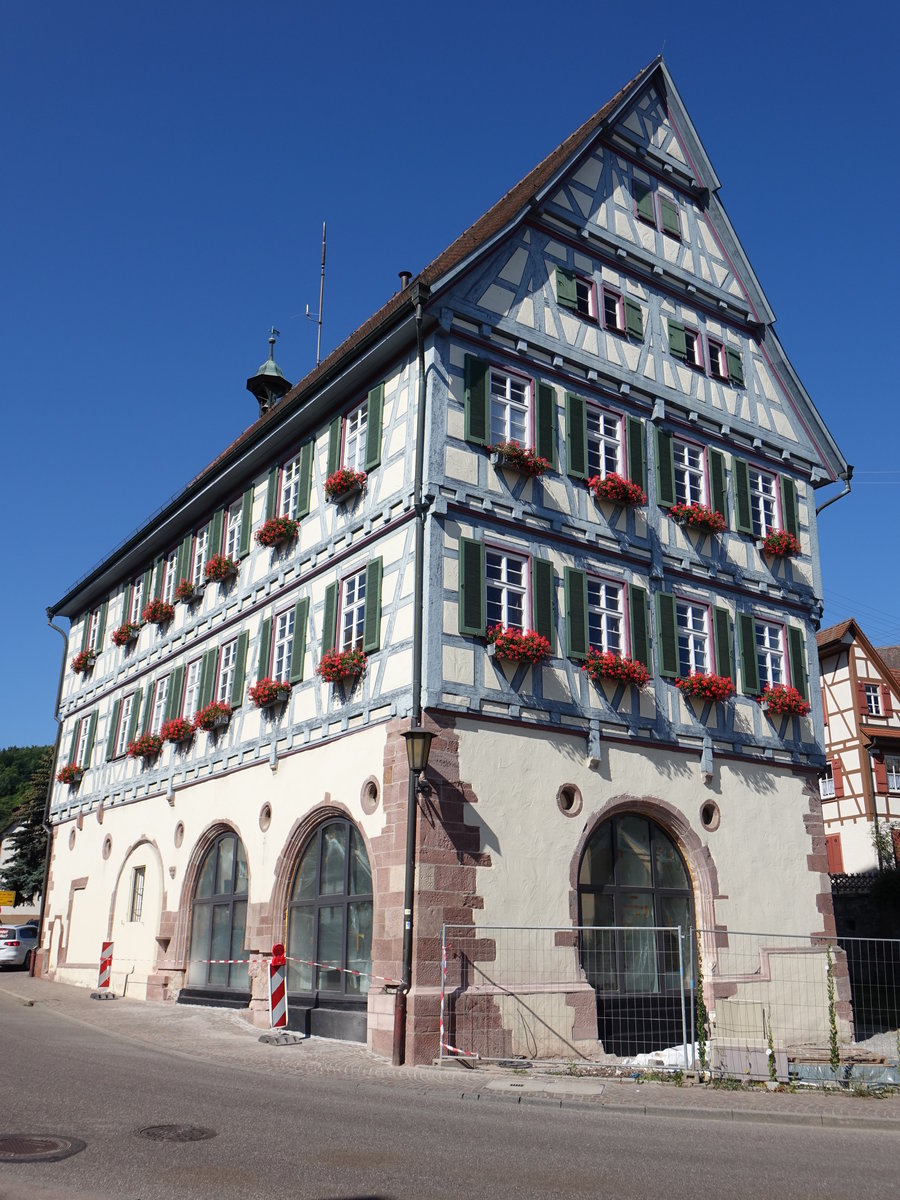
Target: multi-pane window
<point>604,442</point>
<point>509,407</point>
<point>605,615</point>
<point>892,767</point>
<point>136,907</point>
<point>584,297</point>
<point>506,576</point>
<point>353,612</point>
<point>613,311</point>
<point>125,711</point>
<point>201,554</point>
<point>355,438</point>
<point>93,635</point>
<point>718,364</point>
<point>826,783</point>
<point>233,530</point>
<point>227,658</point>
<point>137,594</point>
<point>692,355</point>
<point>290,487</point>
<point>769,653</point>
<point>281,649</point>
<point>690,476</point>
<point>160,697</point>
<point>192,689</point>
<point>693,638</point>
<point>873,700</point>
<point>169,572</point>
<point>83,734</point>
<point>763,505</point>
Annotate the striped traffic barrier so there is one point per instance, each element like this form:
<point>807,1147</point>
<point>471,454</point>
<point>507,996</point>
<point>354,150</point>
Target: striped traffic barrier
<point>106,955</point>
<point>278,1008</point>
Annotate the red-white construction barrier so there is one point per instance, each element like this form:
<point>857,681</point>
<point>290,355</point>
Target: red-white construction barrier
<point>106,955</point>
<point>278,1008</point>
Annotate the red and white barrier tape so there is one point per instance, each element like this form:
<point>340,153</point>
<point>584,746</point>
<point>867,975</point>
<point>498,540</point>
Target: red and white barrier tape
<point>456,1050</point>
<point>308,962</point>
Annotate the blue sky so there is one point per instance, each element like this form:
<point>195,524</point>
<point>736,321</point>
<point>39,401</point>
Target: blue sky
<point>168,168</point>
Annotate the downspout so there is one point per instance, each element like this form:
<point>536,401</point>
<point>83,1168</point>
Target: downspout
<point>46,821</point>
<point>419,296</point>
<point>846,476</point>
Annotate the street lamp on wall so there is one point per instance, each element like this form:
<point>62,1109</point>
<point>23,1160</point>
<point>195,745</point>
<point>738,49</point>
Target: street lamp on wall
<point>418,747</point>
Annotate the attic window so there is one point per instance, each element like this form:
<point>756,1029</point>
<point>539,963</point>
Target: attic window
<point>575,292</point>
<point>873,700</point>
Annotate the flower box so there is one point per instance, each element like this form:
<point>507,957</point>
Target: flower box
<point>339,665</point>
<point>516,645</point>
<point>606,665</point>
<point>128,632</point>
<point>518,458</point>
<point>780,544</point>
<point>84,661</point>
<point>617,490</point>
<point>698,516</point>
<point>187,592</point>
<point>269,692</point>
<point>706,687</point>
<point>177,730</point>
<point>158,612</point>
<point>148,745</point>
<point>213,716</point>
<point>779,700</point>
<point>220,569</point>
<point>72,774</point>
<point>277,531</point>
<point>344,483</point>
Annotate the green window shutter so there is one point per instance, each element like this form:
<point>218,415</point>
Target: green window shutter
<point>477,424</point>
<point>637,461</point>
<point>575,590</point>
<point>634,319</point>
<point>85,630</point>
<point>298,648</point>
<point>176,686</point>
<point>372,615</point>
<point>667,629</point>
<point>127,597</point>
<point>665,469</point>
<point>543,587</point>
<point>304,484</point>
<point>334,445</point>
<point>89,743</point>
<point>272,494</point>
<point>566,293</point>
<point>265,641</point>
<point>104,610</point>
<point>329,618</point>
<point>798,661</point>
<point>183,558</point>
<point>749,664</point>
<point>742,509</point>
<point>135,717</point>
<point>148,708</point>
<point>240,670</point>
<point>145,587</point>
<point>724,654</point>
<point>576,436</point>
<point>677,342</point>
<point>216,526</point>
<point>159,569</point>
<point>374,412</point>
<point>735,366</point>
<point>113,730</point>
<point>73,741</point>
<point>643,198</point>
<point>789,506</point>
<point>546,422</point>
<point>246,522</point>
<point>471,587</point>
<point>207,677</point>
<point>669,213</point>
<point>640,625</point>
<point>718,485</point>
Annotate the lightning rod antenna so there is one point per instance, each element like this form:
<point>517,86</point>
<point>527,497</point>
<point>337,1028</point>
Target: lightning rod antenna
<point>317,317</point>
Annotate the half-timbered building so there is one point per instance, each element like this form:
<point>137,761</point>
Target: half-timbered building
<point>541,615</point>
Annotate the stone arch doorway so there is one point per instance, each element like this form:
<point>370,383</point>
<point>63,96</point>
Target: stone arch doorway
<point>634,891</point>
<point>217,972</point>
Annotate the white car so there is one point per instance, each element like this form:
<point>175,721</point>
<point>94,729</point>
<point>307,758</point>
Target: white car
<point>17,945</point>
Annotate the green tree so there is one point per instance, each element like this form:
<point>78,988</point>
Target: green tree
<point>16,766</point>
<point>24,874</point>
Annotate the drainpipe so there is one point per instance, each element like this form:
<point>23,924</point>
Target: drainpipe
<point>419,296</point>
<point>846,476</point>
<point>46,821</point>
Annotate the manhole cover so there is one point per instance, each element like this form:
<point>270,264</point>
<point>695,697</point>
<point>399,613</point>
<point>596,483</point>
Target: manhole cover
<point>26,1147</point>
<point>177,1133</point>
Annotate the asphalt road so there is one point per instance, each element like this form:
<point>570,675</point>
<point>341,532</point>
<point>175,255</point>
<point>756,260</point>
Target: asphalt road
<point>320,1138</point>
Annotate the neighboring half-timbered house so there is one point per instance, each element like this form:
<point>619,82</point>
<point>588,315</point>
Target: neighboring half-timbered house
<point>603,316</point>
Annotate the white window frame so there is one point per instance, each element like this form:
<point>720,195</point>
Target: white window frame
<point>290,487</point>
<point>606,615</point>
<point>718,360</point>
<point>763,501</point>
<point>585,304</point>
<point>167,592</point>
<point>874,707</point>
<point>892,770</point>
<point>160,696</point>
<point>771,660</point>
<point>690,472</point>
<point>137,592</point>
<point>282,641</point>
<point>191,701</point>
<point>354,431</point>
<point>126,708</point>
<point>93,631</point>
<point>692,632</point>
<point>693,349</point>
<point>81,746</point>
<point>136,904</point>
<point>826,783</point>
<point>510,407</point>
<point>507,588</point>
<point>225,681</point>
<point>613,301</point>
<point>353,611</point>
<point>605,450</point>
<point>233,520</point>
<point>201,555</point>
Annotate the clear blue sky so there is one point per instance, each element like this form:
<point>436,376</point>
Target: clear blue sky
<point>167,168</point>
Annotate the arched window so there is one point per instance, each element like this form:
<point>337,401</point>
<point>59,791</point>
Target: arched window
<point>330,917</point>
<point>219,918</point>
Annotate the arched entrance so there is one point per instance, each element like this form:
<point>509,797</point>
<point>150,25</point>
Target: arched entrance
<point>633,889</point>
<point>329,934</point>
<point>218,925</point>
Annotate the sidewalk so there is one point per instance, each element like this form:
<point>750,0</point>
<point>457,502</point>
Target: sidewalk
<point>224,1036</point>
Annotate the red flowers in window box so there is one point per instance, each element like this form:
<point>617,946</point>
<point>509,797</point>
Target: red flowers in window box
<point>219,568</point>
<point>516,645</point>
<point>185,591</point>
<point>84,661</point>
<point>177,730</point>
<point>148,745</point>
<point>276,531</point>
<point>268,691</point>
<point>620,491</point>
<point>71,774</point>
<point>606,665</point>
<point>698,516</point>
<point>338,665</point>
<point>158,612</point>
<point>343,482</point>
<point>519,458</point>
<point>706,687</point>
<point>127,632</point>
<point>215,715</point>
<point>780,545</point>
<point>779,700</point>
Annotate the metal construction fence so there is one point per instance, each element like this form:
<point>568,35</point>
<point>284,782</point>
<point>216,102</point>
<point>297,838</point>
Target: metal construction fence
<point>752,1005</point>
